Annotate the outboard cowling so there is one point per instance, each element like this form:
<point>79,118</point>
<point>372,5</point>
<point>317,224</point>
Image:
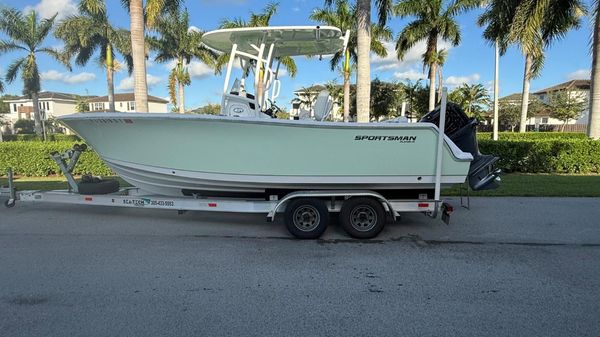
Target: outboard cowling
<point>462,130</point>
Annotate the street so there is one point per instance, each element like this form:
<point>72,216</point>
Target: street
<point>506,267</point>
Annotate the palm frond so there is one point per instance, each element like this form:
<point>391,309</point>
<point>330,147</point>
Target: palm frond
<point>58,55</point>
<point>13,69</point>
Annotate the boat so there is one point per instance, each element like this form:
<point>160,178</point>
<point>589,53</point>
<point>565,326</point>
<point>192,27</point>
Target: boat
<point>245,151</point>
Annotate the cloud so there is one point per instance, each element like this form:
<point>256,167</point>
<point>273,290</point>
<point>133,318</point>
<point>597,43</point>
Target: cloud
<point>411,75</point>
<point>53,75</point>
<point>412,57</point>
<point>198,69</point>
<point>454,81</point>
<point>47,8</point>
<point>282,73</point>
<point>127,83</point>
<point>581,74</point>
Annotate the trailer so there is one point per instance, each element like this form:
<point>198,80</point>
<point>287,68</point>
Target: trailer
<point>362,213</point>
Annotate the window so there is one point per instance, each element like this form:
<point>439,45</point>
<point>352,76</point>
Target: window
<point>98,106</point>
<point>14,108</point>
<point>544,120</point>
<point>120,104</point>
<point>131,106</point>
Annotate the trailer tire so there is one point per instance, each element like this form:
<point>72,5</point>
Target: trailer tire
<point>362,218</point>
<point>306,218</point>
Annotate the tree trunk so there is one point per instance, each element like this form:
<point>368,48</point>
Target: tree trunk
<point>346,97</point>
<point>496,70</point>
<point>181,98</point>
<point>260,90</point>
<point>525,94</point>
<point>110,78</point>
<point>36,114</point>
<point>432,69</point>
<point>138,52</point>
<point>440,84</point>
<point>363,71</point>
<point>593,130</point>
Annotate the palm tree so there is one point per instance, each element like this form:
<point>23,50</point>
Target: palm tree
<point>177,42</point>
<point>363,38</point>
<point>90,31</point>
<point>434,20</point>
<point>593,130</point>
<point>532,25</point>
<point>471,97</point>
<point>342,17</point>
<point>261,19</point>
<point>152,10</point>
<point>26,33</point>
<point>438,58</point>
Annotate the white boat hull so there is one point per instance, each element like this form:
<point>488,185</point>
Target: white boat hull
<point>182,154</point>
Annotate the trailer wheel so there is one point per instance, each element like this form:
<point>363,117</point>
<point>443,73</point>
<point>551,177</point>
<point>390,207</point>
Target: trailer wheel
<point>362,218</point>
<point>306,218</point>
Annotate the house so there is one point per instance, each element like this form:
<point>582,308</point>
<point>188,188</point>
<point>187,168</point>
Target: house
<point>50,103</point>
<point>577,89</point>
<point>125,102</point>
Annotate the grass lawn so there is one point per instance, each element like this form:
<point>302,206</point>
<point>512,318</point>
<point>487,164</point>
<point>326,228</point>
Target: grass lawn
<point>527,185</point>
<point>541,185</point>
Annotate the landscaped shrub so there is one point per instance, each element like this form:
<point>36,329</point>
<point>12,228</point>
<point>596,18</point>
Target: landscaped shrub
<point>33,159</point>
<point>545,155</point>
<point>34,137</point>
<point>533,135</point>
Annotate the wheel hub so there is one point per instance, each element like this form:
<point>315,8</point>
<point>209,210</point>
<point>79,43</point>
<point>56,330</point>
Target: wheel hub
<point>306,218</point>
<point>363,218</point>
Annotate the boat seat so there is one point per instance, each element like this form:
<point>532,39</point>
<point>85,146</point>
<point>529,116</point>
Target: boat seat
<point>323,105</point>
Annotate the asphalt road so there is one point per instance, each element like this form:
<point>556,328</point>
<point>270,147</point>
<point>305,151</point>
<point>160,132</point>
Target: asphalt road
<point>507,267</point>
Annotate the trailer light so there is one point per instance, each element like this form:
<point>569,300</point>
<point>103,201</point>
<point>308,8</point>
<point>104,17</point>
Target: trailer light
<point>212,204</point>
<point>87,198</point>
<point>423,204</point>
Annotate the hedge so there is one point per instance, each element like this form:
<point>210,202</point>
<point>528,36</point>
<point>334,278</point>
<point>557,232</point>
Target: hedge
<point>527,156</point>
<point>545,156</point>
<point>33,159</point>
<point>532,135</point>
<point>34,137</point>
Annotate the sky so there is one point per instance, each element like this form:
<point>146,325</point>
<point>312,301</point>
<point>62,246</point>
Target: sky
<point>470,62</point>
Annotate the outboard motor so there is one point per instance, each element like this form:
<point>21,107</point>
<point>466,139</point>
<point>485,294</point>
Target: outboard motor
<point>462,130</point>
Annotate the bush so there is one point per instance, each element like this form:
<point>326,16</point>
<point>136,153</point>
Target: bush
<point>34,137</point>
<point>33,159</point>
<point>545,155</point>
<point>532,135</point>
<point>24,126</point>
